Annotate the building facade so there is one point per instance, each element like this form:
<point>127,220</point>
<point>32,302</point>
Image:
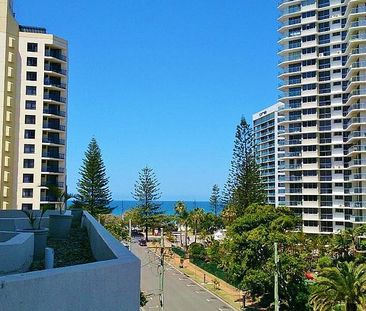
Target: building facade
<point>269,152</point>
<point>323,73</point>
<point>33,101</point>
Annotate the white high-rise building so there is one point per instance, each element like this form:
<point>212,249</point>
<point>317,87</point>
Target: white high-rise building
<point>323,73</point>
<point>269,151</point>
<point>33,101</point>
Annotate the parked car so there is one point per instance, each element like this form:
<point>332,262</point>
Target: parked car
<point>142,242</point>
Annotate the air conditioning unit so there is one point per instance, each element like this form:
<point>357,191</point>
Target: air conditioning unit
<point>339,52</point>
<point>321,54</point>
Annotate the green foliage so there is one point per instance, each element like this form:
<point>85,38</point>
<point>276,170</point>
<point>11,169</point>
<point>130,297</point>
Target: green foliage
<point>143,299</point>
<point>197,251</point>
<point>244,186</point>
<point>180,252</point>
<point>60,196</point>
<point>195,218</point>
<point>115,225</point>
<point>214,252</point>
<point>215,200</point>
<point>182,217</point>
<point>325,262</point>
<point>147,193</point>
<point>93,190</point>
<point>342,286</point>
<point>32,216</point>
<point>214,269</point>
<point>248,255</point>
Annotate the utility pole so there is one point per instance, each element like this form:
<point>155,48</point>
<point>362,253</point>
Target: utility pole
<point>129,234</point>
<point>276,296</point>
<point>161,272</point>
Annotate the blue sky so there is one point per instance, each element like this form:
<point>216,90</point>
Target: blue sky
<point>162,83</point>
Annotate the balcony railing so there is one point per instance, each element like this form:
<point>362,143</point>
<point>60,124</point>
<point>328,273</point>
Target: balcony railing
<point>55,69</point>
<point>47,183</point>
<point>52,169</point>
<point>56,141</point>
<point>54,112</point>
<point>55,54</point>
<point>54,98</point>
<point>59,127</point>
<point>49,82</point>
<point>54,155</point>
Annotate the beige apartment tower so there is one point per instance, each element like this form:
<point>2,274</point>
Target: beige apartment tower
<point>33,102</point>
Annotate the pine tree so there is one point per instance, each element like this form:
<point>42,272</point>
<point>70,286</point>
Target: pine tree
<point>215,199</point>
<point>244,186</point>
<point>93,189</point>
<point>147,193</point>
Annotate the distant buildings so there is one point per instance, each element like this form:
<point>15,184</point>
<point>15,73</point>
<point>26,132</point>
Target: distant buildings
<point>33,101</point>
<point>323,73</point>
<point>269,150</point>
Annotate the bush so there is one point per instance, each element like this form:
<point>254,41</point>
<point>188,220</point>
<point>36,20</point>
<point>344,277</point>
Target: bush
<point>214,270</point>
<point>115,225</point>
<point>324,262</point>
<point>197,251</point>
<point>181,253</point>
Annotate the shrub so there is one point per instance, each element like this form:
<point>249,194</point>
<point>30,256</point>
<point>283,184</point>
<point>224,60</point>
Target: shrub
<point>181,253</point>
<point>197,251</point>
<point>324,262</point>
<point>115,225</point>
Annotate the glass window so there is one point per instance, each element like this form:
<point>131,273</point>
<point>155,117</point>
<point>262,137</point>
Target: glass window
<point>31,61</point>
<point>29,134</point>
<point>27,206</point>
<point>27,193</point>
<point>28,178</point>
<point>31,90</point>
<point>31,76</point>
<point>29,119</point>
<point>32,47</point>
<point>28,163</point>
<point>29,148</point>
<point>30,104</point>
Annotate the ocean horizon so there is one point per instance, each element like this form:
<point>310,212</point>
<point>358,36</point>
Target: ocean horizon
<point>122,206</point>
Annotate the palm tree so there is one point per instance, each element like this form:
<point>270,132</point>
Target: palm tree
<point>60,196</point>
<point>195,218</point>
<point>183,218</point>
<point>340,287</point>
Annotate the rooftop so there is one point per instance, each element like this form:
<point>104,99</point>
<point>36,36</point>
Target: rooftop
<point>32,29</point>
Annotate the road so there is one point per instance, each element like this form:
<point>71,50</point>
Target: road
<point>180,292</point>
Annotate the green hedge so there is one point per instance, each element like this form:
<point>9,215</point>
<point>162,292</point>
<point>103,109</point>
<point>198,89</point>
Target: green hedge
<point>214,270</point>
<point>178,251</point>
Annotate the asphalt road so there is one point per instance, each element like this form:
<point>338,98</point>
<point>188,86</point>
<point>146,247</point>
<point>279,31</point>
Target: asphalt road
<point>180,292</point>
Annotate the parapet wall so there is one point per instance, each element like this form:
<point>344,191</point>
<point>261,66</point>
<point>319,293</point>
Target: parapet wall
<point>111,284</point>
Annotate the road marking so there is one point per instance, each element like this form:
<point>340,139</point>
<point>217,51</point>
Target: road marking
<point>182,279</point>
<point>211,299</point>
<point>191,284</point>
<point>200,291</point>
<point>223,308</point>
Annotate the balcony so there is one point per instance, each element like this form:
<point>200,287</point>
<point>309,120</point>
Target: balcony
<point>54,98</point>
<point>292,154</point>
<point>53,155</point>
<point>55,112</point>
<point>55,69</point>
<point>53,169</point>
<point>54,54</point>
<point>49,82</point>
<point>293,178</point>
<point>53,126</point>
<point>326,216</point>
<point>356,204</point>
<point>358,219</point>
<point>55,141</point>
<point>47,183</point>
<point>359,64</point>
<point>358,10</point>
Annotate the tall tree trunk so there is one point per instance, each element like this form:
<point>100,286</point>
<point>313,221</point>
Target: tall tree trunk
<point>186,239</point>
<point>147,233</point>
<point>195,233</point>
<point>180,235</point>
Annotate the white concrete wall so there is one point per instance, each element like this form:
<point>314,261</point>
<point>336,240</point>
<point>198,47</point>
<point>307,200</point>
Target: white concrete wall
<point>109,285</point>
<point>16,252</point>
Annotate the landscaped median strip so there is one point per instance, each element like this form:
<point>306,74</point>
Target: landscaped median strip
<point>224,294</point>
